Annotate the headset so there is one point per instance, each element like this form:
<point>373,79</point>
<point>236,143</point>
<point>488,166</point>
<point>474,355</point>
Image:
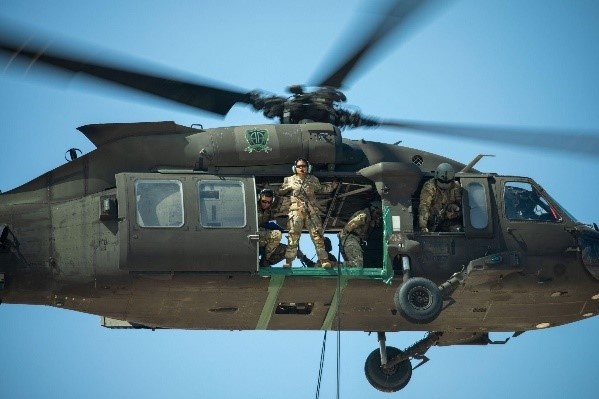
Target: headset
<point>293,168</point>
<point>268,193</point>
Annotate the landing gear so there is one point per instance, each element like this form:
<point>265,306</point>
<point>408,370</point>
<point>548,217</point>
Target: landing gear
<point>419,299</point>
<point>389,369</point>
<point>387,379</point>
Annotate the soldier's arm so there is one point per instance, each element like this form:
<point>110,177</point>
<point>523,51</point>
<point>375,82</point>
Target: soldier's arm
<point>424,208</point>
<point>354,223</point>
<point>323,188</point>
<point>454,210</point>
<point>285,187</point>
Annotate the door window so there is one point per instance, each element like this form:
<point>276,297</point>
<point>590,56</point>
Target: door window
<point>159,203</point>
<point>221,203</point>
<point>477,199</point>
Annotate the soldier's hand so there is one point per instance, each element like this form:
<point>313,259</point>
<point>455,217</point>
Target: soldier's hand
<point>424,229</point>
<point>453,208</point>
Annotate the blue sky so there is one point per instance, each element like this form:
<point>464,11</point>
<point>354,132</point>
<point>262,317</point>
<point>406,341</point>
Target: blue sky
<point>528,63</point>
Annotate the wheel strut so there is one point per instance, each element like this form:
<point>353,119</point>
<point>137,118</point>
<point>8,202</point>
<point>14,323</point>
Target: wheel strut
<point>383,347</point>
<point>416,351</point>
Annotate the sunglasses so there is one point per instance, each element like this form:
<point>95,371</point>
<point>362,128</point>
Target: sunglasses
<point>266,202</point>
<point>301,166</point>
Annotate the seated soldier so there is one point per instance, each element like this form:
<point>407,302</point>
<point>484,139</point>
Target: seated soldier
<point>356,232</point>
<point>269,232</point>
<point>440,202</point>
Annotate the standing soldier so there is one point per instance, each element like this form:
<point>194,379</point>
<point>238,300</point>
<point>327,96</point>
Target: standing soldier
<point>269,231</point>
<point>303,210</point>
<point>356,232</point>
<point>440,202</point>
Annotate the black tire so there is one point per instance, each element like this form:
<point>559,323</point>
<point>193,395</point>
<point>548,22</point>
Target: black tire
<point>387,380</point>
<point>419,300</point>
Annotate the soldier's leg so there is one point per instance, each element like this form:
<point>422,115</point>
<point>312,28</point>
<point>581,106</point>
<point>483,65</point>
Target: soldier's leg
<point>352,251</point>
<point>278,254</point>
<point>262,241</point>
<point>315,229</point>
<point>295,226</point>
<point>272,242</point>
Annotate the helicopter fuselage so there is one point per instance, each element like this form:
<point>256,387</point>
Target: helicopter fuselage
<point>157,228</point>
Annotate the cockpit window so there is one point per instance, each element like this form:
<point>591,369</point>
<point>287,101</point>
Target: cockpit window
<point>523,202</point>
<point>222,204</point>
<point>159,203</point>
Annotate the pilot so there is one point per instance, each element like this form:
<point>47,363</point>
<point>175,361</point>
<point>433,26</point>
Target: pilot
<point>269,232</point>
<point>526,204</point>
<point>517,203</point>
<point>440,202</point>
<point>328,246</point>
<point>303,210</point>
<point>356,232</point>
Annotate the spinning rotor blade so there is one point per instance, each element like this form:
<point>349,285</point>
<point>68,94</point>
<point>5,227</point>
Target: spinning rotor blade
<point>398,13</point>
<point>553,139</point>
<point>208,98</point>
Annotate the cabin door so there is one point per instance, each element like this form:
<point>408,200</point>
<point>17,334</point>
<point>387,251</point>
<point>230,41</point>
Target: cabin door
<point>187,222</point>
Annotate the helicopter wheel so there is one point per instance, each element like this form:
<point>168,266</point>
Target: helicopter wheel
<point>419,299</point>
<point>387,380</point>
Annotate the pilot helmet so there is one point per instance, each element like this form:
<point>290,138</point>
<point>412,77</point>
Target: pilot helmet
<point>444,175</point>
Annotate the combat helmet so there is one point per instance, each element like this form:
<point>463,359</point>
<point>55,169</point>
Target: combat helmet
<point>444,175</point>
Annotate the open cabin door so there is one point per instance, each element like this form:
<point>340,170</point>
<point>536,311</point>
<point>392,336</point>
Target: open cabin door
<point>187,222</point>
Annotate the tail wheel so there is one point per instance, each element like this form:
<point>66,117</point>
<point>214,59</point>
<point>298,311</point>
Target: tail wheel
<point>419,299</point>
<point>387,379</point>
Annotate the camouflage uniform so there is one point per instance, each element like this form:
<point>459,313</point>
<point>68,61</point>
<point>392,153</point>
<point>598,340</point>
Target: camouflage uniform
<point>270,240</point>
<point>304,213</point>
<point>355,234</point>
<point>440,210</point>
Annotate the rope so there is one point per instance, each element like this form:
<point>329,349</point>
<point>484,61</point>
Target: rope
<point>338,327</point>
<point>322,352</point>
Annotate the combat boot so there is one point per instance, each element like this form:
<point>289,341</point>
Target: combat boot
<point>288,262</point>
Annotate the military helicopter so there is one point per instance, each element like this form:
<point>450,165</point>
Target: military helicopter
<point>389,173</point>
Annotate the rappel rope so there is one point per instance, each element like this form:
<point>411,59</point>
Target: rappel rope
<point>324,339</point>
<point>322,352</point>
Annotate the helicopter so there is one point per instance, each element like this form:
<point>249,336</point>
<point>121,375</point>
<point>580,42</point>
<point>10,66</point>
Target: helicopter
<point>323,173</point>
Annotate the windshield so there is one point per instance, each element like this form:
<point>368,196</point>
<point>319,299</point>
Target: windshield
<point>589,244</point>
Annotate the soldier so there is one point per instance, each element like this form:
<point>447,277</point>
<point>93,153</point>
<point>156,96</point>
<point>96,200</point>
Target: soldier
<point>303,210</point>
<point>356,232</point>
<point>328,246</point>
<point>269,232</point>
<point>440,202</point>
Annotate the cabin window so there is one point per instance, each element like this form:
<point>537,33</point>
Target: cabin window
<point>221,203</point>
<point>159,203</point>
<point>477,199</point>
<point>523,202</point>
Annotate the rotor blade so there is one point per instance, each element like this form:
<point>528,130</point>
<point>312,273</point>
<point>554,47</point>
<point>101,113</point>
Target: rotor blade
<point>390,19</point>
<point>208,98</point>
<point>562,140</point>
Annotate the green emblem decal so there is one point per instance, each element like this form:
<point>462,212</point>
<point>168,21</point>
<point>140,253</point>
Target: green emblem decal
<point>257,140</point>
